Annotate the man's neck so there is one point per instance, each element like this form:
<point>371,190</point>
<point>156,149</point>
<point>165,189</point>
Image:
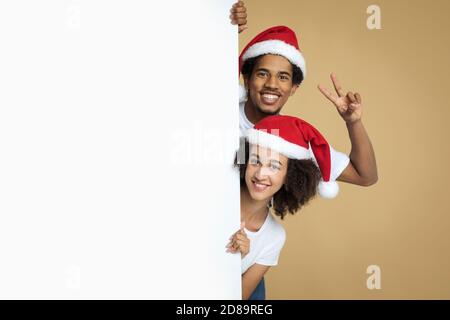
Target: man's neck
<point>252,113</point>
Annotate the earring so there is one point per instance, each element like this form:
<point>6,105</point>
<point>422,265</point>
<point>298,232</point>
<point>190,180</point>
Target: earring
<point>271,202</point>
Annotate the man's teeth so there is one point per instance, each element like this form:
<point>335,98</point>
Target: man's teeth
<point>270,97</point>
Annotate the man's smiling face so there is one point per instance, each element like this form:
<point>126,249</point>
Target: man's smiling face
<point>270,84</point>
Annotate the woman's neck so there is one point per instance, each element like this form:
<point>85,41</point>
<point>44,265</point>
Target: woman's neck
<point>253,212</point>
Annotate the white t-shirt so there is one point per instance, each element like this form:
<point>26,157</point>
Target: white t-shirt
<point>339,160</point>
<point>265,244</point>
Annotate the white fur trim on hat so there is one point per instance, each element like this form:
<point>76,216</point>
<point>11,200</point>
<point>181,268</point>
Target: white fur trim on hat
<point>274,142</point>
<point>328,190</point>
<point>242,94</point>
<point>277,47</point>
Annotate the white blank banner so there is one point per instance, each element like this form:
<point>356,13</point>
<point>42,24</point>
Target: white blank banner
<point>118,123</point>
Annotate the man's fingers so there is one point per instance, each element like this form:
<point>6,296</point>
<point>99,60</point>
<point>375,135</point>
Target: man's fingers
<point>238,20</point>
<point>240,15</point>
<point>327,93</point>
<point>238,10</point>
<point>358,97</point>
<point>337,85</point>
<point>242,28</point>
<point>242,22</point>
<point>342,109</point>
<point>351,97</point>
<point>353,106</point>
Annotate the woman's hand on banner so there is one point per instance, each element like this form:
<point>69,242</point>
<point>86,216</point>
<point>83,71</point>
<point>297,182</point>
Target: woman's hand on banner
<point>239,242</point>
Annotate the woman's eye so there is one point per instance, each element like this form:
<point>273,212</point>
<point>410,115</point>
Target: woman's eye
<point>275,167</point>
<point>253,161</point>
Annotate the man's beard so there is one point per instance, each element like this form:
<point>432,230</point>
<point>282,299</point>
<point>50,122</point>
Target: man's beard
<point>268,113</point>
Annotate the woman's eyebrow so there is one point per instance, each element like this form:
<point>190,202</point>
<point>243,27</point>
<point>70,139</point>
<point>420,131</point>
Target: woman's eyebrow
<point>276,161</point>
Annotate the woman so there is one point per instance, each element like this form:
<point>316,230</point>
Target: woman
<point>284,159</point>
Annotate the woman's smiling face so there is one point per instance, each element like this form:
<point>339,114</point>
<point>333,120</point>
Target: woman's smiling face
<point>265,173</point>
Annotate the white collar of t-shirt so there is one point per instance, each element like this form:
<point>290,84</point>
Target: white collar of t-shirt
<point>244,120</point>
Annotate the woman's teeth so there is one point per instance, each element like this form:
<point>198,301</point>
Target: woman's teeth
<point>260,186</point>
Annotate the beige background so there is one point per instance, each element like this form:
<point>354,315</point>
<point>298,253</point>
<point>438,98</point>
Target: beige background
<point>402,223</point>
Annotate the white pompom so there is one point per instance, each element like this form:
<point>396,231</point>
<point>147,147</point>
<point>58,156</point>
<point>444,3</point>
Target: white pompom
<point>242,94</point>
<point>328,190</point>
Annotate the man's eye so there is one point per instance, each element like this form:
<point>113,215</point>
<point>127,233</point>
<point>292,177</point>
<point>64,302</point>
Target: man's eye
<point>262,74</point>
<point>285,78</point>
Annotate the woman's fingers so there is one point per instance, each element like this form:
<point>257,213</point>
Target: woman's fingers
<point>239,241</point>
<point>241,237</point>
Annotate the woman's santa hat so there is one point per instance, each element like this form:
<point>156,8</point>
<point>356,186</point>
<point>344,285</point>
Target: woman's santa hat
<point>296,139</point>
<point>278,40</point>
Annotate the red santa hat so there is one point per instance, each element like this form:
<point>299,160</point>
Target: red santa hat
<point>296,139</point>
<point>278,40</point>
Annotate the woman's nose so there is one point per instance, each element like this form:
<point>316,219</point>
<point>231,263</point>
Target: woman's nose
<point>262,173</point>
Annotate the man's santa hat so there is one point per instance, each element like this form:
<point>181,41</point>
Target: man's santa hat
<point>296,139</point>
<point>278,40</point>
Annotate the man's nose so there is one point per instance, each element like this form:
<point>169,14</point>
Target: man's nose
<point>272,82</point>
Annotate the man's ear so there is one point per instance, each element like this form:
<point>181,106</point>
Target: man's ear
<point>245,83</point>
<point>293,89</point>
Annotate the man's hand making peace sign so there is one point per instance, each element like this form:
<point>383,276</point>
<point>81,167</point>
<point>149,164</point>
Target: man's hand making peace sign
<point>362,169</point>
<point>348,105</point>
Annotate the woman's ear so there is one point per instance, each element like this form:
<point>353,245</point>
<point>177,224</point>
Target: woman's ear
<point>242,169</point>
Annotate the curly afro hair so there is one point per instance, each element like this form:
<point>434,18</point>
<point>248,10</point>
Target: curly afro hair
<point>300,185</point>
<point>249,65</point>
